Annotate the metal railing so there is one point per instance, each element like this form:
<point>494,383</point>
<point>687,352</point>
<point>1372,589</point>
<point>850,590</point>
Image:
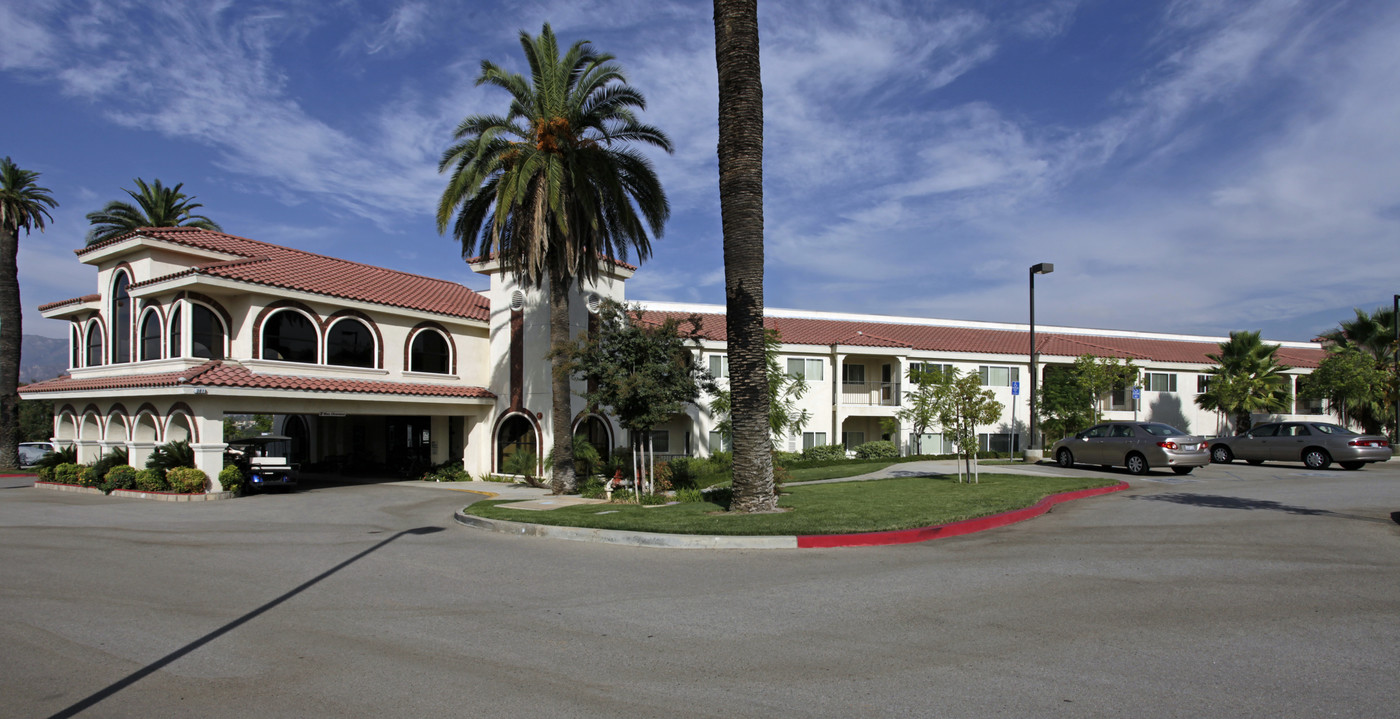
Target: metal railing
<point>870,394</point>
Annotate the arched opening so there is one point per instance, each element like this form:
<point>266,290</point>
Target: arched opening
<point>349,343</point>
<point>517,434</point>
<point>94,344</point>
<point>430,353</point>
<point>174,347</point>
<point>67,426</point>
<point>595,430</point>
<point>150,336</point>
<point>295,427</point>
<point>75,348</point>
<point>91,428</point>
<point>121,319</point>
<point>207,333</point>
<point>289,336</point>
<point>147,428</point>
<point>179,428</point>
<point>117,427</point>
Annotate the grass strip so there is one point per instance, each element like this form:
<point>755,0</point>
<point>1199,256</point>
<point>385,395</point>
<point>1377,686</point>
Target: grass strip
<point>838,508</point>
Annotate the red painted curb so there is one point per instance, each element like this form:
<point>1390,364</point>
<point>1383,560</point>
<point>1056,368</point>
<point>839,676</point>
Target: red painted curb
<point>954,529</point>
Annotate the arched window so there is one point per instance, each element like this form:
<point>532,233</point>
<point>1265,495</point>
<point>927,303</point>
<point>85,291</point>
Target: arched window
<point>150,336</point>
<point>94,344</point>
<point>75,343</point>
<point>429,353</point>
<point>206,333</point>
<point>176,333</point>
<point>289,336</point>
<point>349,343</point>
<point>516,435</point>
<point>121,319</point>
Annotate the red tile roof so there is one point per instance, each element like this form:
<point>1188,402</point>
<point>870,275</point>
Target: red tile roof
<point>619,263</point>
<point>276,266</point>
<point>74,301</point>
<point>216,373</point>
<point>927,338</point>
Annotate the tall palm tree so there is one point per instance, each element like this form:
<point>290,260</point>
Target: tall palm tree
<point>741,213</point>
<point>23,205</point>
<point>554,188</point>
<point>156,206</point>
<point>1247,378</point>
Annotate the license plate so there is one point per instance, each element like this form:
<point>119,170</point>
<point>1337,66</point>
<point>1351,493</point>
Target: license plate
<point>1190,447</point>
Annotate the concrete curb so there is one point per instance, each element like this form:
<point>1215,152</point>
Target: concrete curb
<point>811,541</point>
<point>136,494</point>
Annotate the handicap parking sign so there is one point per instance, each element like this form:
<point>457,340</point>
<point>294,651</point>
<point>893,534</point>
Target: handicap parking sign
<point>1015,388</point>
<point>1137,393</point>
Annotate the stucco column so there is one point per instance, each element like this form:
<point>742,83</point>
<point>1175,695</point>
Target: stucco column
<point>438,433</point>
<point>138,452</point>
<point>476,453</point>
<point>209,450</point>
<point>209,457</point>
<point>89,450</point>
<point>838,415</point>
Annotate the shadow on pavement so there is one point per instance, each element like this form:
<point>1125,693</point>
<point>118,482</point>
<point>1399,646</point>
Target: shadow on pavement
<point>155,666</point>
<point>1215,501</point>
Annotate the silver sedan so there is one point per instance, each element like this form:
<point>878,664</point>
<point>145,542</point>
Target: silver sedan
<point>1315,444</point>
<point>1138,446</point>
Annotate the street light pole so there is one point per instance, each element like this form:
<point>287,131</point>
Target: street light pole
<point>1033,452</point>
<point>1395,319</point>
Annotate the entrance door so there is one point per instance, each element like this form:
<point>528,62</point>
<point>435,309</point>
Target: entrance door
<point>887,384</point>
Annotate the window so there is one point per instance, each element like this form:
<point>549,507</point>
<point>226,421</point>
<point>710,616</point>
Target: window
<point>174,349</point>
<point>1159,382</point>
<point>289,336</point>
<point>813,439</point>
<point>75,343</point>
<point>1003,442</point>
<point>917,367</point>
<point>1202,383</point>
<point>807,368</point>
<point>94,345</point>
<point>932,444</point>
<point>121,319</point>
<point>429,353</point>
<point>853,373</point>
<point>349,343</point>
<point>661,441</point>
<point>150,336</point>
<point>719,366</point>
<point>1302,405</point>
<point>516,435</point>
<point>851,440</point>
<point>720,443</point>
<point>998,376</point>
<point>206,333</point>
<point>1122,430</point>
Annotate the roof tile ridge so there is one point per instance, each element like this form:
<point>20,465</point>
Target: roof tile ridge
<point>179,229</point>
<point>882,338</point>
<point>194,373</point>
<point>70,301</point>
<point>342,260</point>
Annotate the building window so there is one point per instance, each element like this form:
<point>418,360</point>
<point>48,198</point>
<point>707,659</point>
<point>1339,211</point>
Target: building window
<point>516,435</point>
<point>810,369</point>
<point>150,336</point>
<point>75,344</point>
<point>719,366</point>
<point>1202,383</point>
<point>1003,442</point>
<point>349,343</point>
<point>1306,406</point>
<point>852,373</point>
<point>121,319</point>
<point>915,368</point>
<point>1159,382</point>
<point>998,376</point>
<point>429,353</point>
<point>661,441</point>
<point>289,336</point>
<point>206,333</point>
<point>813,439</point>
<point>851,440</point>
<point>94,344</point>
<point>720,443</point>
<point>174,348</point>
<point>932,444</point>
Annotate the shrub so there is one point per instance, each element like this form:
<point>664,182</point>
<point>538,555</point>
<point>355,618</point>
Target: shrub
<point>722,461</point>
<point>106,462</point>
<point>170,455</point>
<point>825,451</point>
<point>883,449</point>
<point>619,461</point>
<point>690,495</point>
<point>685,473</point>
<point>449,471</point>
<point>655,499</point>
<point>86,477</point>
<point>122,476</point>
<point>51,460</point>
<point>786,458</point>
<point>187,480</point>
<point>151,480</point>
<point>591,488</point>
<point>66,473</point>
<point>233,480</point>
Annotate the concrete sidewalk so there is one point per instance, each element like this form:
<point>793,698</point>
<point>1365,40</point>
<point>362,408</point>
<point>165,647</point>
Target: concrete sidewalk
<point>941,466</point>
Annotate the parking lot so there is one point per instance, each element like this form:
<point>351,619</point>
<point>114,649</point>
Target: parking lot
<point>1240,591</point>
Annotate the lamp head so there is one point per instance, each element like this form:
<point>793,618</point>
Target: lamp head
<point>1043,268</point>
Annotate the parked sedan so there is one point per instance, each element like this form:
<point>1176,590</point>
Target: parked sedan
<point>1138,446</point>
<point>1316,444</point>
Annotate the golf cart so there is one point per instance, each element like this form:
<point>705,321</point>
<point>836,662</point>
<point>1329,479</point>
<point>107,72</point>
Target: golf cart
<point>266,460</point>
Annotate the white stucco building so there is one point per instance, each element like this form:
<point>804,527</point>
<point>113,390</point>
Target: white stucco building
<point>373,370</point>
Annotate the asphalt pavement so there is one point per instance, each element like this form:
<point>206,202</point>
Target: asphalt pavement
<point>1237,591</point>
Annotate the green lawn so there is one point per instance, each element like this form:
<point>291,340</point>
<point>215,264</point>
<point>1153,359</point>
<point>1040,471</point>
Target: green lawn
<point>837,508</point>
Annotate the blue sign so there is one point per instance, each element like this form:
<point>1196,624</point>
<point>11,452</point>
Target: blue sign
<point>1015,388</point>
<point>1137,393</point>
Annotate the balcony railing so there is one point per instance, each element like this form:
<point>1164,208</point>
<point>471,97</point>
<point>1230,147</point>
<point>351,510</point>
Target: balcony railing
<point>870,394</point>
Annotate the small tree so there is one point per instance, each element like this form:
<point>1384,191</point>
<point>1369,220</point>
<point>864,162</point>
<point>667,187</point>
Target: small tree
<point>920,409</point>
<point>1349,379</point>
<point>1066,405</point>
<point>1101,375</point>
<point>963,405</point>
<point>784,391</point>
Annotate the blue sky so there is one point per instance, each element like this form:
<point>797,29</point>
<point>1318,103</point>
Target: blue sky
<point>1187,166</point>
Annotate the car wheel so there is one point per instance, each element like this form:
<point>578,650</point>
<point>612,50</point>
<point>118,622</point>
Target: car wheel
<point>1316,458</point>
<point>1353,466</point>
<point>1064,458</point>
<point>1220,454</point>
<point>1137,464</point>
<point>1182,470</point>
<point>1255,462</point>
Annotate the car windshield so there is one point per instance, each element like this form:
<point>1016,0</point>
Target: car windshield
<point>1162,430</point>
<point>1332,429</point>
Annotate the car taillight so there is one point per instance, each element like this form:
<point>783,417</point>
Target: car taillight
<point>1369,443</point>
<point>1167,445</point>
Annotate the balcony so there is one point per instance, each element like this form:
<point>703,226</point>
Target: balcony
<point>870,394</point>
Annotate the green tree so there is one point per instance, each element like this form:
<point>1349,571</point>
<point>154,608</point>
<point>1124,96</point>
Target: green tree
<point>963,405</point>
<point>554,188</point>
<point>1353,383</point>
<point>1374,334</point>
<point>741,215</point>
<point>1066,405</point>
<point>785,417</point>
<point>643,373</point>
<point>1100,375</point>
<point>1246,378</point>
<point>156,206</point>
<point>24,205</point>
<point>35,420</point>
<point>920,409</point>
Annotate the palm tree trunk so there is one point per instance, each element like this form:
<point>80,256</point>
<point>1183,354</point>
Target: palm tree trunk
<point>11,335</point>
<point>741,211</point>
<point>563,480</point>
